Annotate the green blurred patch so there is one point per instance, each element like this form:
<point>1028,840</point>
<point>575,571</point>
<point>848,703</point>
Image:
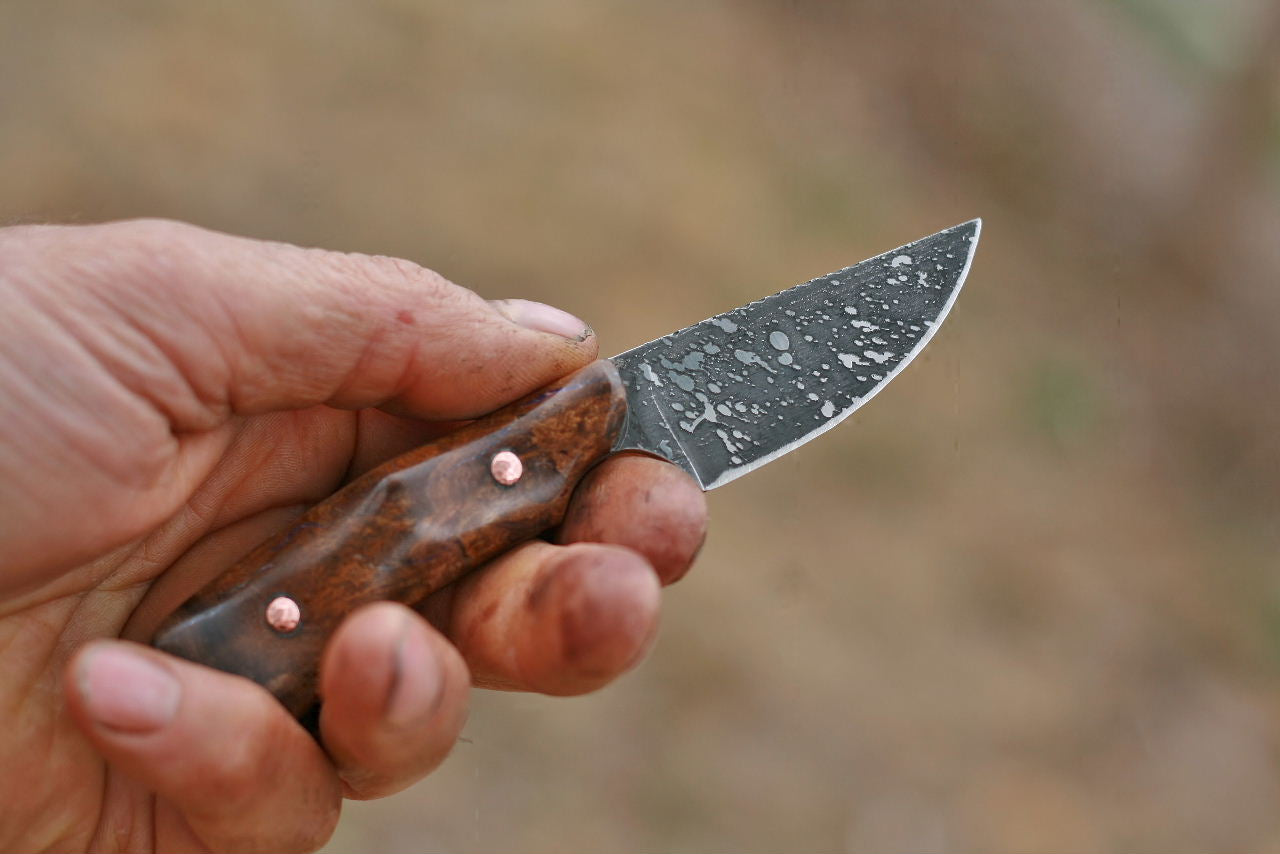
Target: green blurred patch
<point>869,459</point>
<point>1060,401</point>
<point>1273,150</point>
<point>1271,617</point>
<point>1198,36</point>
<point>834,193</point>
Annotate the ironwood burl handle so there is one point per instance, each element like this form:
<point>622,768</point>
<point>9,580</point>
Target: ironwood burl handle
<point>400,532</point>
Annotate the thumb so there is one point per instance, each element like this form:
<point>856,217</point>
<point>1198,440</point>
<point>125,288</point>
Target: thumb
<point>252,326</point>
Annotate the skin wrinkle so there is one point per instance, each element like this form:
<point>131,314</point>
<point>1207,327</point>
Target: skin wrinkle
<point>140,472</point>
<point>273,363</point>
<point>439,610</point>
<point>75,580</point>
<point>41,692</point>
<point>145,470</point>
<point>165,386</point>
<point>151,272</point>
<point>207,503</point>
<point>38,394</point>
<point>26,644</point>
<point>151,555</point>
<point>253,369</point>
<point>397,672</point>
<point>102,824</point>
<point>412,368</point>
<point>180,534</point>
<point>348,384</point>
<point>538,591</point>
<point>464,326</point>
<point>7,640</point>
<point>233,389</point>
<point>313,456</point>
<point>146,476</point>
<point>118,821</point>
<point>155,553</point>
<point>209,379</point>
<point>357,431</point>
<point>412,274</point>
<point>191,524</point>
<point>73,836</point>
<point>156,265</point>
<point>500,384</point>
<point>356,290</point>
<point>94,615</point>
<point>199,476</point>
<point>208,499</point>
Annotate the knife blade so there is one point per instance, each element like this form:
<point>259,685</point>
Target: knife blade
<point>719,399</point>
<point>727,395</point>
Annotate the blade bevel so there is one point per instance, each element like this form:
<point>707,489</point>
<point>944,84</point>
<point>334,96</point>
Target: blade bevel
<point>732,435</point>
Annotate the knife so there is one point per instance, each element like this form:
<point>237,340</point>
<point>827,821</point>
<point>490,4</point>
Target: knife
<point>719,399</point>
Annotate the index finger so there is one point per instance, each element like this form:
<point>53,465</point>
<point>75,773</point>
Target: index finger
<point>204,324</point>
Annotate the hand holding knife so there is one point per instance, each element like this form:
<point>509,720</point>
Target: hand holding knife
<point>719,399</point>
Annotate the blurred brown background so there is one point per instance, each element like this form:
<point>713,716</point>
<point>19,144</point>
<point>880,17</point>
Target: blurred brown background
<point>1029,599</point>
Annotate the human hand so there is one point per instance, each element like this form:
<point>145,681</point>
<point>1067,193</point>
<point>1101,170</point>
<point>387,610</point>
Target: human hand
<point>170,398</point>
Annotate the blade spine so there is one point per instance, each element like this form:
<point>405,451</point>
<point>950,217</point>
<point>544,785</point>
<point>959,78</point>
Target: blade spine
<point>977,222</point>
<point>730,475</point>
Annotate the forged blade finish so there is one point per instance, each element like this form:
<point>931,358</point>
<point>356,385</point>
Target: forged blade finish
<point>727,395</point>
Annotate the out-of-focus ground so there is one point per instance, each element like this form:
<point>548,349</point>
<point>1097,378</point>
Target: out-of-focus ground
<point>1028,600</point>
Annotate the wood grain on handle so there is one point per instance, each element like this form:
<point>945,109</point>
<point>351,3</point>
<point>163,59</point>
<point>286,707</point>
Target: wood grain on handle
<point>400,532</point>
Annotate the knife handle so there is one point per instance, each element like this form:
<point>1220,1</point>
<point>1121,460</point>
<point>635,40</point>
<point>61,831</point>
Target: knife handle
<point>400,532</point>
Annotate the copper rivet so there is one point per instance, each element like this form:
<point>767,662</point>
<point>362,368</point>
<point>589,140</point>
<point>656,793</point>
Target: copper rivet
<point>283,614</point>
<point>506,468</point>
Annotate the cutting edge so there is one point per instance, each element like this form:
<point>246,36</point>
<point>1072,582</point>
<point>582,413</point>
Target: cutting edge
<point>746,468</point>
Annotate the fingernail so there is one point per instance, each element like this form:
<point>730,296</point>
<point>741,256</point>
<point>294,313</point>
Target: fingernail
<point>419,683</point>
<point>123,690</point>
<point>543,318</point>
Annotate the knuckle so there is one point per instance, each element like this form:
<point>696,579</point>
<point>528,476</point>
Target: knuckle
<point>148,254</point>
<point>392,268</point>
<point>239,770</point>
<point>437,297</point>
<point>152,235</point>
<point>153,229</point>
<point>386,270</point>
<point>249,773</point>
<point>288,836</point>
<point>241,767</point>
<point>362,784</point>
<point>15,238</point>
<point>312,835</point>
<point>26,256</point>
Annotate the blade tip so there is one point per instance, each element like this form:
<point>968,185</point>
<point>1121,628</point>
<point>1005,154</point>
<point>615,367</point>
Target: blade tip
<point>970,228</point>
<point>974,227</point>
<point>976,222</point>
